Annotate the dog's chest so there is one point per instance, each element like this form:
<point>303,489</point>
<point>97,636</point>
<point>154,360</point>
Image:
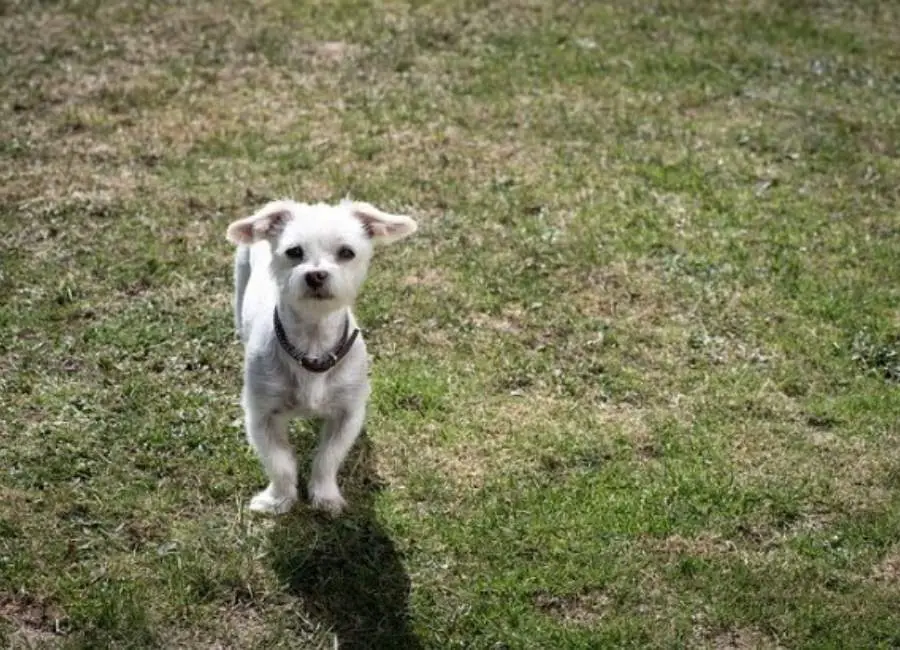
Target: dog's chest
<point>310,394</point>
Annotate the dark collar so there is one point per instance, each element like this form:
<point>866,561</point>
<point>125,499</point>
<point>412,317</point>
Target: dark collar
<point>316,364</point>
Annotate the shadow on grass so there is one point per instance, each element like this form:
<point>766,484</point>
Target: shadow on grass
<point>347,570</point>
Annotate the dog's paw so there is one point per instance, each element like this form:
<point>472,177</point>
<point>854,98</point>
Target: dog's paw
<point>271,502</point>
<point>327,500</point>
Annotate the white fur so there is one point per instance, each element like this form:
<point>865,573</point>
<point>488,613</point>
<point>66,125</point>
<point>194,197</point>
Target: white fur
<point>276,387</point>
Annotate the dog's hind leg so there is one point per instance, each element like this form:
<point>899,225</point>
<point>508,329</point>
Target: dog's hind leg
<point>241,277</point>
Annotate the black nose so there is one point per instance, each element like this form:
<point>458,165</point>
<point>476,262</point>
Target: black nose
<point>316,279</point>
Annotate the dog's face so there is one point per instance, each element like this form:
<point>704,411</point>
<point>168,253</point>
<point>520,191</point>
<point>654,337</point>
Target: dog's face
<point>320,253</point>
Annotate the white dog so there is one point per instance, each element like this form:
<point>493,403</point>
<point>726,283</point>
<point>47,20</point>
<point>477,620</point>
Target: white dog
<point>297,271</point>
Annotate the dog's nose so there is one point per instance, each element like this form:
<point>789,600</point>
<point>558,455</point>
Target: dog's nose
<point>316,279</point>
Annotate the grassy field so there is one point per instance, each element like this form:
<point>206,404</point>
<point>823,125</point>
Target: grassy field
<point>636,379</point>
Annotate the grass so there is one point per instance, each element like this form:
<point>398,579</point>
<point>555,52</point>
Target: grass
<point>635,379</point>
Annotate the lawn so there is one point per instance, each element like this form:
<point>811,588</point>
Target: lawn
<point>636,380</point>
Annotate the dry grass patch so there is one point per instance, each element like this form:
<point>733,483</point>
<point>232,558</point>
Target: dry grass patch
<point>34,621</point>
<point>506,323</point>
<point>775,441</point>
<point>246,626</point>
<point>58,178</point>
<point>703,545</point>
<point>742,639</point>
<point>632,293</point>
<point>887,572</point>
<point>102,128</point>
<point>428,278</point>
<point>534,433</point>
<point>495,437</point>
<point>583,609</point>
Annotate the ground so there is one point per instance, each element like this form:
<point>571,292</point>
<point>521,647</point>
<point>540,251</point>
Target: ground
<point>635,378</point>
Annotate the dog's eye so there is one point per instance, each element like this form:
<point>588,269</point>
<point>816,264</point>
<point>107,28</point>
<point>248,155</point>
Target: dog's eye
<point>295,253</point>
<point>346,253</point>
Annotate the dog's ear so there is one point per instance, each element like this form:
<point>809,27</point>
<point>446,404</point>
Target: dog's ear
<point>265,224</point>
<point>381,227</point>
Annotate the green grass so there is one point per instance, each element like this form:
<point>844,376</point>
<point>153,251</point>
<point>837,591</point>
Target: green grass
<point>635,379</point>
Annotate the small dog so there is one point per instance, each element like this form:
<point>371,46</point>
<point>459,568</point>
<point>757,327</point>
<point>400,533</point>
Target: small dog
<point>297,271</point>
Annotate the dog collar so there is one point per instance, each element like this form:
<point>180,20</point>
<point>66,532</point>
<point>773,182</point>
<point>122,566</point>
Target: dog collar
<point>316,364</point>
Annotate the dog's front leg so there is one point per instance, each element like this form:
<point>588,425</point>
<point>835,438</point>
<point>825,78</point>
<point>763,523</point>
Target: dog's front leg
<point>337,437</point>
<point>267,433</point>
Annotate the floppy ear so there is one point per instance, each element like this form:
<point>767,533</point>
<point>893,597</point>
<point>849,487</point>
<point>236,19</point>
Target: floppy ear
<point>381,227</point>
<point>265,224</point>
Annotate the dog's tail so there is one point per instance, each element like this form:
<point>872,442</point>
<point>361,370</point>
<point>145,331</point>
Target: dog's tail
<point>241,277</point>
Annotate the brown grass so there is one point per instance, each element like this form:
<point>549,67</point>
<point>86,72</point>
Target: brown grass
<point>35,622</point>
<point>887,572</point>
<point>583,609</point>
<point>742,639</point>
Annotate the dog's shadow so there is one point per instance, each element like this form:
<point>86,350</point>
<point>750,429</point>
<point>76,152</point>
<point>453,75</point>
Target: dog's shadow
<point>347,570</point>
